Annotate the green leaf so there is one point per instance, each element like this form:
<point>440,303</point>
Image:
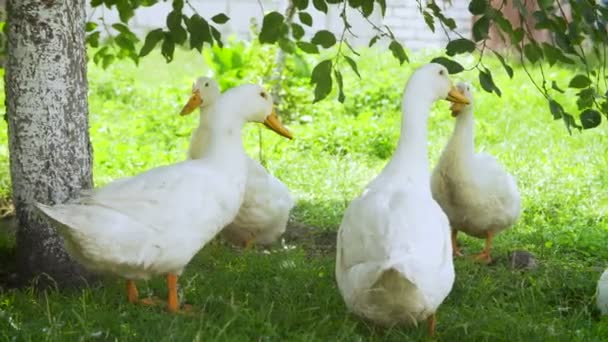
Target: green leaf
<point>373,41</point>
<point>124,43</point>
<point>382,4</point>
<point>545,4</point>
<point>168,47</point>
<point>556,87</point>
<point>532,52</point>
<point>99,54</point>
<point>178,5</point>
<point>507,67</point>
<point>554,54</point>
<point>321,77</point>
<point>287,45</point>
<point>604,108</point>
<point>503,23</point>
<point>305,18</point>
<point>338,76</point>
<point>320,5</point>
<point>220,18</point>
<point>90,26</point>
<point>585,98</point>
<point>107,60</point>
<point>452,66</point>
<point>122,28</point>
<point>398,51</point>
<point>125,10</point>
<point>429,20</point>
<point>271,27</point>
<point>174,24</point>
<point>301,4</point>
<point>556,109</point>
<point>517,36</point>
<point>459,46</point>
<point>590,118</point>
<point>200,32</point>
<point>93,39</point>
<point>579,81</point>
<point>152,38</point>
<point>353,65</point>
<point>487,83</point>
<point>449,22</point>
<point>481,28</point>
<point>324,38</point>
<point>217,36</point>
<point>297,31</point>
<point>367,7</point>
<point>569,122</point>
<point>478,7</point>
<point>307,47</point>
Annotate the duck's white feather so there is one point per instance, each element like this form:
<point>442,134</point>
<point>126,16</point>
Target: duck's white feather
<point>144,225</point>
<point>474,190</point>
<point>155,222</point>
<point>394,263</point>
<point>263,215</point>
<point>393,258</point>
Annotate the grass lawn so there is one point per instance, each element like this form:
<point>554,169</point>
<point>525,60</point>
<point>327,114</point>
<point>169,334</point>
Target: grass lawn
<point>289,292</point>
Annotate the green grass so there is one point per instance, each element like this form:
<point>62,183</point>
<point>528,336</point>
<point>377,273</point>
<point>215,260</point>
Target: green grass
<point>290,293</point>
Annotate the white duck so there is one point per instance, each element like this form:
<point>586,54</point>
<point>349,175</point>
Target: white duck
<point>394,257</point>
<point>263,216</point>
<point>602,293</point>
<point>479,197</point>
<point>155,222</point>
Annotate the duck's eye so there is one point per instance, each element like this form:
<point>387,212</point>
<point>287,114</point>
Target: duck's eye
<point>441,72</point>
<point>263,94</point>
<point>206,84</point>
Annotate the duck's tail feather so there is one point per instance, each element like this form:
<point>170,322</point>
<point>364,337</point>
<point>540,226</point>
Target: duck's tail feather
<point>55,214</point>
<point>392,298</point>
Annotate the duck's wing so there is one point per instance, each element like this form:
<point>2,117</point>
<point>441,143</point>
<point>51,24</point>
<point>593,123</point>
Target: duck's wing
<point>169,197</point>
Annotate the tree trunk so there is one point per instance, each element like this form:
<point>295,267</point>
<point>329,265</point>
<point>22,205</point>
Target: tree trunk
<point>50,151</point>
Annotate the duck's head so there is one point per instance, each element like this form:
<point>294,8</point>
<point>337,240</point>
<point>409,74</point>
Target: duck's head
<point>204,92</point>
<point>465,89</point>
<point>257,106</point>
<point>431,82</point>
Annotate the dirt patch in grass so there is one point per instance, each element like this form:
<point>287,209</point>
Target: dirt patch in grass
<point>317,242</point>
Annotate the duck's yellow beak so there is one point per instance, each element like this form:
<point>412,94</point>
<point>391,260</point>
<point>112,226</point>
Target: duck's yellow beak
<point>272,121</point>
<point>194,102</point>
<point>456,108</point>
<point>456,96</point>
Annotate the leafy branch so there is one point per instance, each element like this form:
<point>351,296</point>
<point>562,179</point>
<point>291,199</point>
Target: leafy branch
<point>580,42</point>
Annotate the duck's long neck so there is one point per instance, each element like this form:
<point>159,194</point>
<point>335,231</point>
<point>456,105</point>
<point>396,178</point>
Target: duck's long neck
<point>411,155</point>
<point>225,145</point>
<point>203,120</point>
<point>462,140</point>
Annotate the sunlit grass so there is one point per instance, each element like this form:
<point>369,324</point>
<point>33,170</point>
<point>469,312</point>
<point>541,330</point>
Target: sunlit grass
<point>289,295</point>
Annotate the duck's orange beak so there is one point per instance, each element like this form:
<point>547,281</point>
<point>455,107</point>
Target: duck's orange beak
<point>272,121</point>
<point>194,102</point>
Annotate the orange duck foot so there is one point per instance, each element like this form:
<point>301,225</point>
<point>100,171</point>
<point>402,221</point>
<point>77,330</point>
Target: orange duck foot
<point>484,257</point>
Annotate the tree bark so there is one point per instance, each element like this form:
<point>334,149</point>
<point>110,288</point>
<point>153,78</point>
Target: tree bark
<point>50,151</point>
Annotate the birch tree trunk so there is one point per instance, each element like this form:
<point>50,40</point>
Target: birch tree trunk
<point>50,151</point>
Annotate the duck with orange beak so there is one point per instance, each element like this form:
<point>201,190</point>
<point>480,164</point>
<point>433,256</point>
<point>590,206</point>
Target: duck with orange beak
<point>153,224</point>
<point>263,216</point>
